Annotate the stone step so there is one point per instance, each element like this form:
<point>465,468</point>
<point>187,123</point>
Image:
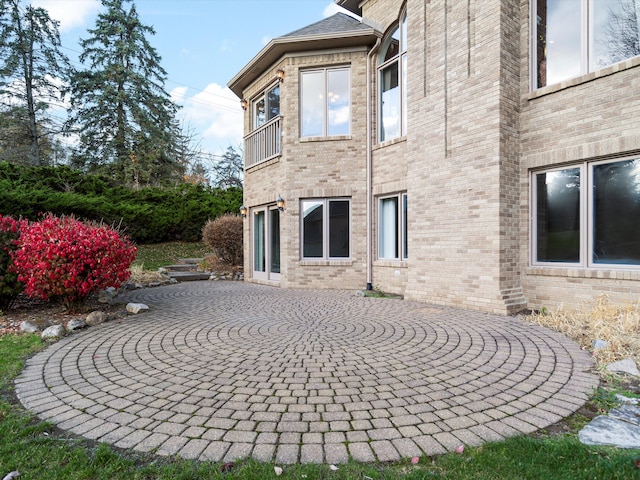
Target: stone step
<point>182,267</point>
<point>190,261</point>
<point>189,276</point>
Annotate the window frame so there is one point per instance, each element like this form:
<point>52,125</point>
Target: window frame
<point>263,96</point>
<point>587,60</point>
<point>401,62</point>
<point>325,101</point>
<point>402,228</point>
<point>586,218</point>
<point>326,232</point>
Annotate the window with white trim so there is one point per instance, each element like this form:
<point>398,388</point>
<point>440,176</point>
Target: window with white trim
<point>392,83</point>
<point>326,228</point>
<point>325,102</point>
<point>574,37</point>
<point>587,215</point>
<point>392,230</point>
<point>266,107</point>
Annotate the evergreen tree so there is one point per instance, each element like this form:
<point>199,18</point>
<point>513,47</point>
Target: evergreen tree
<point>124,116</point>
<point>228,170</point>
<point>32,73</point>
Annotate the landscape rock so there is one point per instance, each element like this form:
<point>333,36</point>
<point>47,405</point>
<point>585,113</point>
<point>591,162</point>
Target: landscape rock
<point>76,324</point>
<point>96,318</point>
<point>34,326</point>
<point>53,333</point>
<point>608,430</point>
<point>107,295</point>
<point>627,400</point>
<point>163,271</point>
<point>136,307</point>
<point>628,366</point>
<point>600,344</point>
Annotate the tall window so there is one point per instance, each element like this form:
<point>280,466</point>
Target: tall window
<point>266,107</point>
<point>574,37</point>
<point>587,215</point>
<point>392,68</point>
<point>326,228</point>
<point>325,101</point>
<point>392,234</point>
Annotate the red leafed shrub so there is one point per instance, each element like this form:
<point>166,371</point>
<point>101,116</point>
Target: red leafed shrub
<point>64,259</point>
<point>10,287</point>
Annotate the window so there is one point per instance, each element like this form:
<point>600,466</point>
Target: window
<point>574,37</point>
<point>325,102</point>
<point>392,234</point>
<point>587,215</point>
<point>326,226</point>
<point>266,107</point>
<point>392,68</point>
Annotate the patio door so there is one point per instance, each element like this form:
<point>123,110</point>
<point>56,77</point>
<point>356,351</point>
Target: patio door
<point>266,243</point>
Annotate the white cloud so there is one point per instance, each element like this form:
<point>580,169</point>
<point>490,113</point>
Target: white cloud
<point>178,93</point>
<point>216,112</point>
<point>70,13</point>
<point>266,39</point>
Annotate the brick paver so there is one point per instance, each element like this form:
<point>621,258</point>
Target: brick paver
<point>227,370</point>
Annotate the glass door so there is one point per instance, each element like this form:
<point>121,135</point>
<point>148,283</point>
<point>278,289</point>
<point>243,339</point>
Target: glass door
<point>266,243</point>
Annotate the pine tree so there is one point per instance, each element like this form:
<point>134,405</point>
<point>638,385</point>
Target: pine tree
<point>32,74</point>
<point>124,117</point>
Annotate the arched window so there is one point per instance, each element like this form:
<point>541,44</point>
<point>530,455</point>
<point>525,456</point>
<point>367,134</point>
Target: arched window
<point>392,68</point>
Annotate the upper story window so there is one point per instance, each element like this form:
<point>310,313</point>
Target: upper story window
<point>587,215</point>
<point>266,107</point>
<point>574,37</point>
<point>325,102</point>
<point>392,68</point>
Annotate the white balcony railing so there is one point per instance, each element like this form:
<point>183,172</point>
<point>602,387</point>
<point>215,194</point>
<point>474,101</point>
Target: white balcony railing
<point>263,144</point>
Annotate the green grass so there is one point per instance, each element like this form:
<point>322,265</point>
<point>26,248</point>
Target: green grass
<point>157,255</point>
<point>38,451</point>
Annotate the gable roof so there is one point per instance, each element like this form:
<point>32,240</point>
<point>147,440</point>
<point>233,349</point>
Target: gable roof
<point>336,31</point>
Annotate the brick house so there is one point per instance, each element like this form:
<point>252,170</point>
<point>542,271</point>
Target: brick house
<point>480,154</point>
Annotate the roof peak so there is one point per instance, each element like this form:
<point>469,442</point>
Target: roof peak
<point>335,24</point>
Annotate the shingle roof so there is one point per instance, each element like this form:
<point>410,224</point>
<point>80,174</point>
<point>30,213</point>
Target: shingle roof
<point>337,31</point>
<point>334,25</point>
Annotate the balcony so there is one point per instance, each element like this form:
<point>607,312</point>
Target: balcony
<point>263,143</point>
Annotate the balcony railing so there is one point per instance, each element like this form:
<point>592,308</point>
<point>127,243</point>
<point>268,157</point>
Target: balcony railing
<point>263,144</point>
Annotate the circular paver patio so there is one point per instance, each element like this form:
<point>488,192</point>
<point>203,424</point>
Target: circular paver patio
<point>226,370</point>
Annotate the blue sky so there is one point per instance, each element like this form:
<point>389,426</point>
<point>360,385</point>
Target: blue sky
<point>203,44</point>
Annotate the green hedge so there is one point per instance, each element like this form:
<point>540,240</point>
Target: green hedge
<point>147,215</point>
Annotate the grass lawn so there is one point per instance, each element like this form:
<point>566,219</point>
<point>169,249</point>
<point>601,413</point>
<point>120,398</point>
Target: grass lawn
<point>157,255</point>
<point>38,451</point>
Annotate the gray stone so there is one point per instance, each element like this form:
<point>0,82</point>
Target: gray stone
<point>627,400</point>
<point>600,344</point>
<point>54,332</point>
<point>107,295</point>
<point>33,326</point>
<point>628,366</point>
<point>163,271</point>
<point>136,307</point>
<point>626,413</point>
<point>76,324</point>
<point>604,430</point>
<point>96,318</point>
<point>359,293</point>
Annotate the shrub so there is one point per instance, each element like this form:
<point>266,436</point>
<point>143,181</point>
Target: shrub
<point>63,259</point>
<point>10,287</point>
<point>224,236</point>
